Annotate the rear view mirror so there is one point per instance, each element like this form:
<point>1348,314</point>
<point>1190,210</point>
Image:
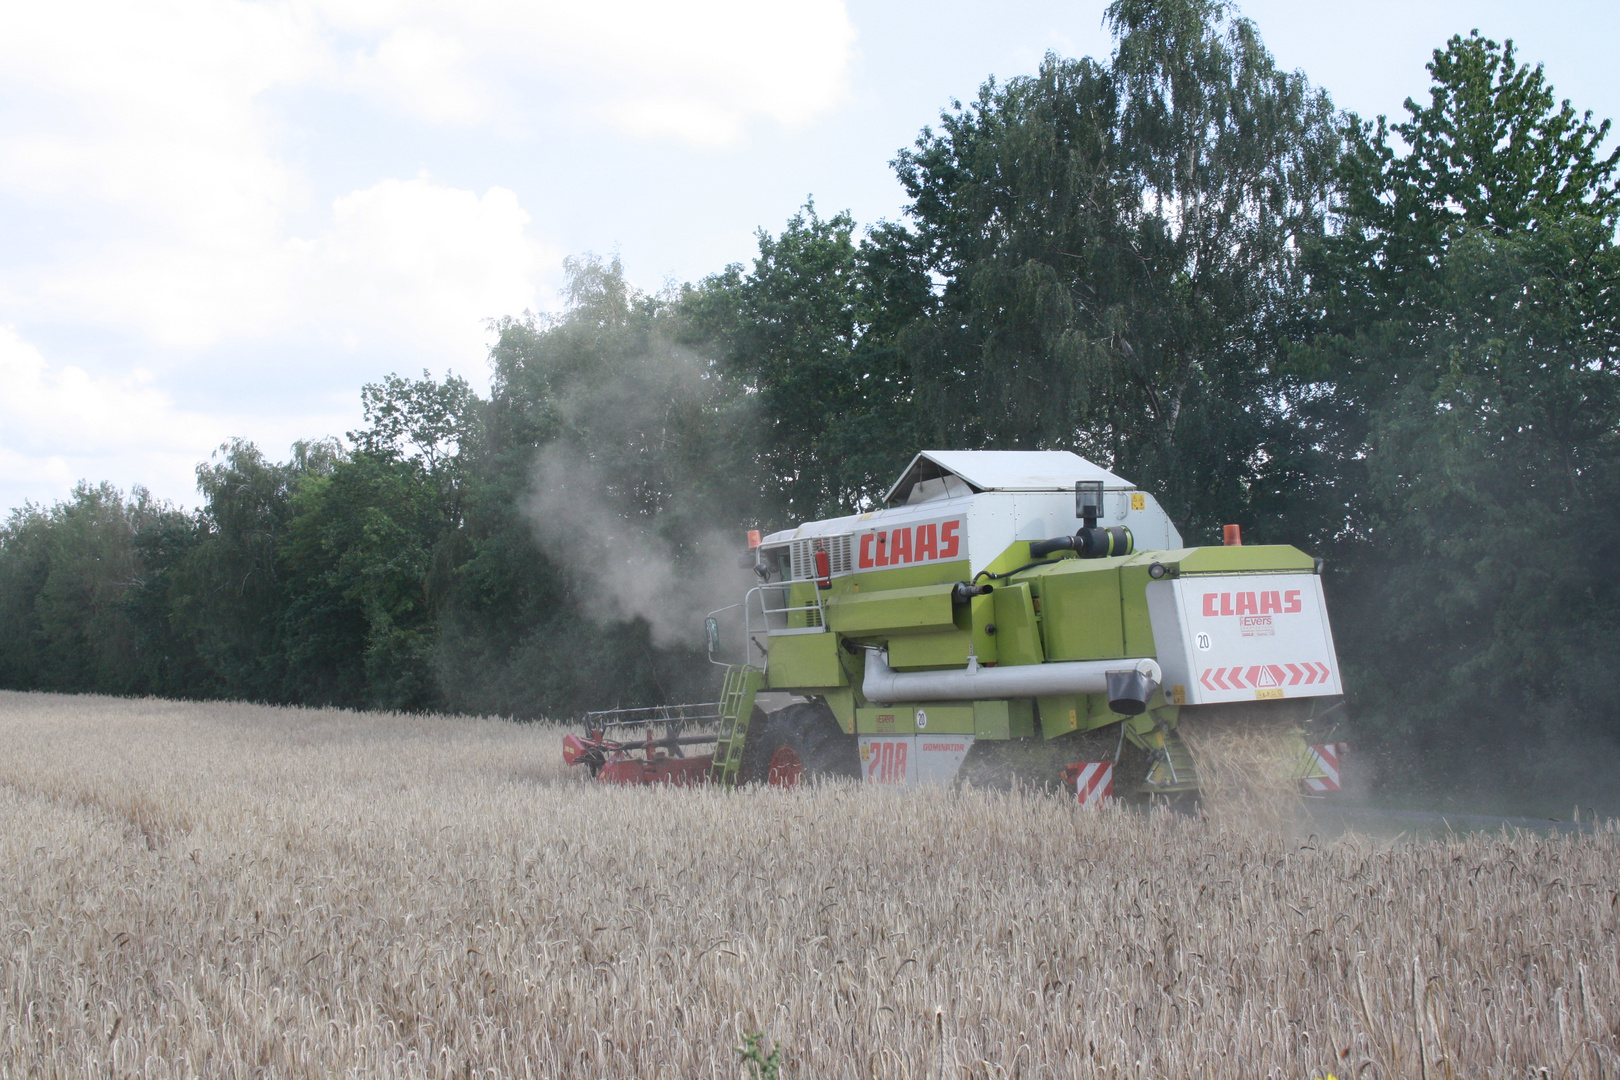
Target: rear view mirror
<point>711,627</point>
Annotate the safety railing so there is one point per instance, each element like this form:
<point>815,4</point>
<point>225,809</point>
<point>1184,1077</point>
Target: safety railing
<point>700,713</point>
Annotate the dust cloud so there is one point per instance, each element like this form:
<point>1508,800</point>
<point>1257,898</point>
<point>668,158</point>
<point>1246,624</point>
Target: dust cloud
<point>1248,767</point>
<point>625,499</point>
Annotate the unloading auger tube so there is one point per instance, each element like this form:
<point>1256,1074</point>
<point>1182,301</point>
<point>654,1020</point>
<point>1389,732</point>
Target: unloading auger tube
<point>1129,684</point>
<point>1005,617</point>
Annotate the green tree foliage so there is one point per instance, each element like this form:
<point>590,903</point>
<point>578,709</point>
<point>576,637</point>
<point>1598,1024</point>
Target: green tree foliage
<point>810,330</point>
<point>83,592</point>
<point>230,592</point>
<point>1120,251</point>
<point>368,548</point>
<point>1470,303</point>
<point>1491,152</point>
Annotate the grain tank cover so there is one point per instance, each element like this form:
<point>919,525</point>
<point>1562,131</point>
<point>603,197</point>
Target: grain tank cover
<point>942,474</point>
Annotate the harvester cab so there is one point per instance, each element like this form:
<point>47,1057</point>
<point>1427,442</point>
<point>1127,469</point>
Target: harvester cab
<point>1017,616</point>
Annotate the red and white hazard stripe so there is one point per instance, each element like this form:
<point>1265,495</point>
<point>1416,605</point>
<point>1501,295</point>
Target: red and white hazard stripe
<point>1327,759</point>
<point>1093,783</point>
<point>1261,676</point>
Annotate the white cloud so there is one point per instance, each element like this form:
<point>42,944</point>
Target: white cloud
<point>149,140</point>
<point>62,424</point>
<point>412,259</point>
<point>695,71</point>
<point>154,185</point>
<point>427,74</point>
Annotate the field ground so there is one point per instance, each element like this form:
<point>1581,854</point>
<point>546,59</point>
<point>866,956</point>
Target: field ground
<point>231,890</point>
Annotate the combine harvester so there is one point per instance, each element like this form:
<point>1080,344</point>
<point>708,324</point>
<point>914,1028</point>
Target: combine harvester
<point>1010,615</point>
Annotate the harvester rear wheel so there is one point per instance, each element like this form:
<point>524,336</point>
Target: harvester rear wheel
<point>802,741</point>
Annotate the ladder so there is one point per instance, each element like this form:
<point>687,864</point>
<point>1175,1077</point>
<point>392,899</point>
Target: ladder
<point>736,706</point>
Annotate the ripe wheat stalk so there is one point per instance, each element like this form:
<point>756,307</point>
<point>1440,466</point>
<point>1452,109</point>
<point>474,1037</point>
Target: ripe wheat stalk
<point>230,890</point>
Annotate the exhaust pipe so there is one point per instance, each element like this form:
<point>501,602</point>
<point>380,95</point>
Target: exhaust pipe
<point>1129,684</point>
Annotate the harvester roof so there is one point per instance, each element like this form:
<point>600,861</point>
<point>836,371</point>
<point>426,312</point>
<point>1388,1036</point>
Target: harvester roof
<point>995,470</point>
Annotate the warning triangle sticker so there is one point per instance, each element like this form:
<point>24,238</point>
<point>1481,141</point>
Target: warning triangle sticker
<point>1266,677</point>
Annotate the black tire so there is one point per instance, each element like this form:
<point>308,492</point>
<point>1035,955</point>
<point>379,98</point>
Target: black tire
<point>809,730</point>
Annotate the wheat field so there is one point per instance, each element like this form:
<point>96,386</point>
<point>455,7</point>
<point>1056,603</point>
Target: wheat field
<point>230,890</point>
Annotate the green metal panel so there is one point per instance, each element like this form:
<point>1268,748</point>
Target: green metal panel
<point>1018,637</point>
<point>1004,719</point>
<point>1021,718</point>
<point>901,719</point>
<point>1133,582</point>
<point>983,614</point>
<point>1229,560</point>
<point>802,596</point>
<point>883,720</point>
<point>942,648</point>
<point>902,577</point>
<point>953,719</point>
<point>913,610</point>
<point>1098,714</point>
<point>1062,713</point>
<point>992,720</point>
<point>842,704</point>
<point>804,660</point>
<point>1080,610</point>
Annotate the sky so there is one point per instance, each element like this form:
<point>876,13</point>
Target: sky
<point>221,218</point>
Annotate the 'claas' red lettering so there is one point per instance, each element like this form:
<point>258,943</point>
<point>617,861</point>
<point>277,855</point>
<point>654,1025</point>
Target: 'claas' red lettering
<point>927,542</point>
<point>900,549</point>
<point>1248,603</point>
<point>922,543</point>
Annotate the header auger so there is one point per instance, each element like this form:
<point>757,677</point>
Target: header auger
<point>1008,616</point>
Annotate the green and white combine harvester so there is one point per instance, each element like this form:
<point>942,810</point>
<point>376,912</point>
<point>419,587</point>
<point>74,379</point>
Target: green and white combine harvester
<point>1009,616</point>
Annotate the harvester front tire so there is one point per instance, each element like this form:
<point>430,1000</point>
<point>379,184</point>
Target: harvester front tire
<point>800,742</point>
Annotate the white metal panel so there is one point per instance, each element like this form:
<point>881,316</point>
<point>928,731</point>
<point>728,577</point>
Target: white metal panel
<point>909,760</point>
<point>990,522</point>
<point>1149,524</point>
<point>941,487</point>
<point>1242,637</point>
<point>1015,470</point>
<point>889,759</point>
<point>940,757</point>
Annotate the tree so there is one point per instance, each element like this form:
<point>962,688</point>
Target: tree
<point>424,421</point>
<point>1490,152</point>
<point>83,592</point>
<point>366,553</point>
<point>230,592</point>
<point>833,417</point>
<point>1470,295</point>
<point>1119,247</point>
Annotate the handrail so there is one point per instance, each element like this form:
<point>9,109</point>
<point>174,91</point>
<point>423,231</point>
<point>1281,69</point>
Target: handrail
<point>783,614</point>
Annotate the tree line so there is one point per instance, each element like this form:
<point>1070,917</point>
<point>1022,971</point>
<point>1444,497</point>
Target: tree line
<point>1390,343</point>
